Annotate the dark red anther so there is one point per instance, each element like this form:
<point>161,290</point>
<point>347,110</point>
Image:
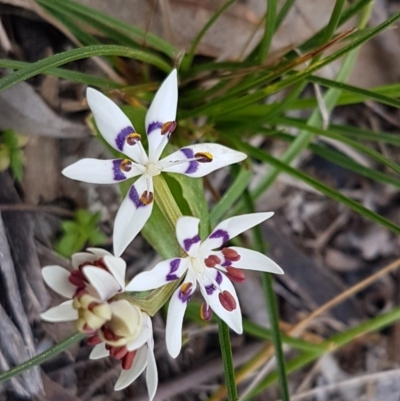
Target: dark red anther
<point>227,300</point>
<point>92,305</point>
<point>94,340</point>
<point>168,127</point>
<point>186,289</point>
<point>100,263</point>
<point>212,261</point>
<point>127,360</point>
<point>205,312</point>
<point>235,274</point>
<point>77,278</point>
<point>133,138</point>
<point>147,197</point>
<point>109,334</point>
<point>203,157</point>
<point>126,165</point>
<point>118,352</point>
<point>230,254</point>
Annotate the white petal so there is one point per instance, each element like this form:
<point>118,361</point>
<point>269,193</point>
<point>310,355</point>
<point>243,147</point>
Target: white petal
<point>99,351</point>
<point>232,227</point>
<point>182,161</point>
<point>57,278</point>
<point>117,267</point>
<point>211,294</point>
<point>253,260</point>
<point>97,171</point>
<point>187,233</point>
<point>61,313</point>
<point>151,374</point>
<point>142,339</point>
<point>162,273</point>
<point>176,311</point>
<point>132,214</point>
<point>162,110</point>
<point>128,376</point>
<point>103,282</point>
<point>99,252</point>
<point>80,258</point>
<point>114,125</point>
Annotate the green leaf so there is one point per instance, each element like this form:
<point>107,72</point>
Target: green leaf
<point>77,54</point>
<point>318,185</point>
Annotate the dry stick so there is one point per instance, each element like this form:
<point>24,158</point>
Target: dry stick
<point>364,379</point>
<point>264,355</point>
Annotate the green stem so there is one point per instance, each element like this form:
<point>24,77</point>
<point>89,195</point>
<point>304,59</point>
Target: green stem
<point>44,356</point>
<point>226,352</point>
<point>269,30</point>
<point>272,308</point>
<point>165,201</point>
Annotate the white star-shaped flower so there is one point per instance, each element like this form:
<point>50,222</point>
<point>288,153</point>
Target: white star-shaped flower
<point>96,277</point>
<point>128,336</point>
<point>212,269</point>
<point>194,160</point>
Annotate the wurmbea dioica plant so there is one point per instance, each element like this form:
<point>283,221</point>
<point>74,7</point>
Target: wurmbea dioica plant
<point>99,302</point>
<point>115,326</point>
<point>212,269</point>
<point>194,160</point>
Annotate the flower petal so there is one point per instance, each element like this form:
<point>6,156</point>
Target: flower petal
<point>117,267</point>
<point>162,273</point>
<point>80,258</point>
<point>114,125</point>
<point>176,311</point>
<point>232,227</point>
<point>187,233</point>
<point>99,351</point>
<point>133,213</point>
<point>128,376</point>
<point>103,171</point>
<point>57,278</point>
<point>151,374</point>
<point>211,294</point>
<point>253,260</point>
<point>200,159</point>
<point>102,281</point>
<point>161,111</point>
<point>142,339</point>
<point>61,313</point>
<point>99,252</point>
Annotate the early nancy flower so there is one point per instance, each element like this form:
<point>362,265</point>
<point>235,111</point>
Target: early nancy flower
<point>194,160</point>
<point>128,336</point>
<point>96,277</point>
<point>212,269</point>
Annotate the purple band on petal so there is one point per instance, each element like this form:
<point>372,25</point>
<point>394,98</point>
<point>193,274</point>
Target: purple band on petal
<point>220,234</point>
<point>135,198</point>
<point>184,297</point>
<point>218,279</point>
<point>118,174</point>
<point>226,263</point>
<point>211,288</point>
<point>120,139</point>
<point>187,243</point>
<point>174,265</point>
<point>193,165</point>
<point>153,126</point>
